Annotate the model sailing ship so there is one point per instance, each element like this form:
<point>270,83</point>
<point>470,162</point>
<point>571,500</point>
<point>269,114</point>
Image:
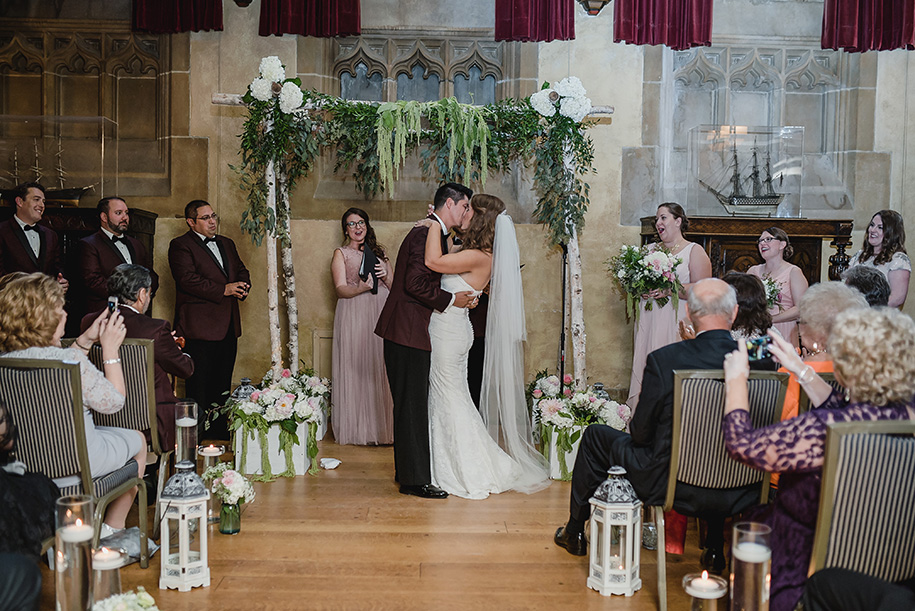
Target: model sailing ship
<point>762,199</point>
<point>61,195</point>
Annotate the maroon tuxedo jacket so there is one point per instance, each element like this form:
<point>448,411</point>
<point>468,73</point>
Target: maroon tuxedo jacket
<point>17,256</point>
<point>98,256</point>
<point>202,311</point>
<point>168,357</point>
<point>415,292</point>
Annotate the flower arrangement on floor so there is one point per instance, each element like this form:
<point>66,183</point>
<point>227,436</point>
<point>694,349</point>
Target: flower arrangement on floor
<point>140,600</point>
<point>287,402</point>
<point>232,488</point>
<point>563,414</point>
<point>773,292</point>
<point>639,270</point>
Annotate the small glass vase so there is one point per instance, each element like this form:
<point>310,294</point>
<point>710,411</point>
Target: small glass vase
<point>230,519</point>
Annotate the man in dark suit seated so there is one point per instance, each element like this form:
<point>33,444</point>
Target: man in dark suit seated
<point>26,246</point>
<point>645,451</point>
<point>132,285</point>
<point>107,248</point>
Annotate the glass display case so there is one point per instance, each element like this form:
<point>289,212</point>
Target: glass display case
<point>72,157</point>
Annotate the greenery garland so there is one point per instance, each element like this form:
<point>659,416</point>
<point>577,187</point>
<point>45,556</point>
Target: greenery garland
<point>457,142</point>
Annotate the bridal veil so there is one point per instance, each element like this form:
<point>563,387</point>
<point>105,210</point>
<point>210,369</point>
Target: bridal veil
<point>502,401</point>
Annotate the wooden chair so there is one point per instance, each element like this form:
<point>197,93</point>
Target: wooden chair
<point>867,500</point>
<point>139,412</point>
<point>698,456</point>
<point>45,398</point>
<point>803,401</point>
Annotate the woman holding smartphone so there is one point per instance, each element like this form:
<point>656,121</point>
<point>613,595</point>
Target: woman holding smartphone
<point>363,411</point>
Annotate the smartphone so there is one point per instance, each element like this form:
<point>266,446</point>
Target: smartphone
<point>112,303</point>
<point>758,349</point>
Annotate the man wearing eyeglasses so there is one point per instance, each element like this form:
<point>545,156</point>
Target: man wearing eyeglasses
<point>210,280</point>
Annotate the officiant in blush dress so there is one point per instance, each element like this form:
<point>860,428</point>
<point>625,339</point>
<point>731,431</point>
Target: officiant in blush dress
<point>658,327</point>
<point>363,411</point>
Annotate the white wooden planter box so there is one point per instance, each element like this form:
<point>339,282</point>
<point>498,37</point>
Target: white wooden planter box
<point>569,457</point>
<point>276,454</point>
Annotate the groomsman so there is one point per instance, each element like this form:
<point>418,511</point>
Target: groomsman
<point>26,246</point>
<point>107,248</point>
<point>210,280</point>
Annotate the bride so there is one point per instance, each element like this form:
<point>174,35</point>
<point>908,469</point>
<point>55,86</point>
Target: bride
<point>473,456</point>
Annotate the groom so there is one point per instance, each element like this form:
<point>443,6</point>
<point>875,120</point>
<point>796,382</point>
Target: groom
<point>404,326</point>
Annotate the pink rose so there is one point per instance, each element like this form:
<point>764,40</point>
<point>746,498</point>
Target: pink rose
<point>255,395</point>
<point>592,398</point>
<point>567,378</point>
<point>537,393</point>
<point>567,391</point>
<point>286,373</point>
<point>228,478</point>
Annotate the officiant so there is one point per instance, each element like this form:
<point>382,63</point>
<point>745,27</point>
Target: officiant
<point>363,411</point>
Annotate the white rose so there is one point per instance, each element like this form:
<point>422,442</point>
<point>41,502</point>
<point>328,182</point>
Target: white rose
<point>272,69</point>
<point>575,108</point>
<point>290,97</point>
<point>570,87</point>
<point>261,89</point>
<point>249,407</point>
<point>542,103</point>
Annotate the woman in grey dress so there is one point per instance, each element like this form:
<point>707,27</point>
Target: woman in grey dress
<point>32,320</point>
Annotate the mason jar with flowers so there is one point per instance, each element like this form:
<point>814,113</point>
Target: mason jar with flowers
<point>233,489</point>
<point>562,414</point>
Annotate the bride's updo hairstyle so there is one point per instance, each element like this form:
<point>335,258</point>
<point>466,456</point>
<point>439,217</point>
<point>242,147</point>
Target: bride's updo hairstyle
<point>479,234</point>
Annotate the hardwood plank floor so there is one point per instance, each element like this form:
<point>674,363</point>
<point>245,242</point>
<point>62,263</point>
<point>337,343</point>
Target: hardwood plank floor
<point>347,539</point>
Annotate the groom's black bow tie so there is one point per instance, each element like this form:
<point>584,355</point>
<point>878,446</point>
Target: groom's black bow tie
<point>208,240</point>
<point>116,239</point>
<point>30,228</point>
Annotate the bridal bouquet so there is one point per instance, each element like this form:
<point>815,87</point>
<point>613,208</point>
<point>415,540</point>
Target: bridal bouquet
<point>140,600</point>
<point>563,413</point>
<point>773,292</point>
<point>639,270</point>
<point>286,402</point>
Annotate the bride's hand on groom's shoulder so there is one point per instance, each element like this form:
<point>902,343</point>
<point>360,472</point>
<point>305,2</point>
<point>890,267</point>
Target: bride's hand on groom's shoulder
<point>424,223</point>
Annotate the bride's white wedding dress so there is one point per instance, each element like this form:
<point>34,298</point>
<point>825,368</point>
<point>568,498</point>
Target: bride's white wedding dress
<point>466,461</point>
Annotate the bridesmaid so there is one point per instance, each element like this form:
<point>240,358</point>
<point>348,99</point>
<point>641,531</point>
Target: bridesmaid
<point>774,247</point>
<point>363,412</point>
<point>884,249</point>
<point>658,327</point>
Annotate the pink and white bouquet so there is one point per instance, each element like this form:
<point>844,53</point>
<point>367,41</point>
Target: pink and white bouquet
<point>639,270</point>
<point>141,600</point>
<point>230,486</point>
<point>773,292</point>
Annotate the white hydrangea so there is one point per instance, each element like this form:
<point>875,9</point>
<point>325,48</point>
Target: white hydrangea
<point>303,409</point>
<point>575,108</point>
<point>261,89</point>
<point>615,415</point>
<point>570,87</point>
<point>290,97</point>
<point>249,407</point>
<point>289,384</point>
<point>272,69</point>
<point>559,420</point>
<point>542,103</point>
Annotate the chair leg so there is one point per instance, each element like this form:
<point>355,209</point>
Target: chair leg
<point>144,524</point>
<point>662,558</point>
<point>164,462</point>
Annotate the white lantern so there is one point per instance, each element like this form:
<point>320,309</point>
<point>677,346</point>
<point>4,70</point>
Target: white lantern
<point>183,507</point>
<point>616,527</point>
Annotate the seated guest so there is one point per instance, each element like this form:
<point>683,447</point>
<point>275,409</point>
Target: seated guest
<point>32,320</point>
<point>753,318</point>
<point>874,356</point>
<point>645,453</point>
<point>20,583</point>
<point>818,309</point>
<point>132,285</point>
<point>843,590</point>
<point>871,282</point>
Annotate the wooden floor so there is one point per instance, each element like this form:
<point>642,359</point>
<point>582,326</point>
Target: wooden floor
<point>347,539</point>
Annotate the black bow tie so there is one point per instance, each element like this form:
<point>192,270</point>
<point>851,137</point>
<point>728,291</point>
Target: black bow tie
<point>117,239</point>
<point>30,228</point>
<point>208,240</point>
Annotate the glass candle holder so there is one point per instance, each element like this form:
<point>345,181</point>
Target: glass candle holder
<point>73,541</point>
<point>705,590</point>
<point>751,559</point>
<point>186,432</point>
<point>211,455</point>
<point>106,573</point>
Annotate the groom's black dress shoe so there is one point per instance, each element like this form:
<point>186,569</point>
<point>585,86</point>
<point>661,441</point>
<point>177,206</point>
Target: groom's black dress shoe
<point>575,543</point>
<point>426,491</point>
<point>713,560</point>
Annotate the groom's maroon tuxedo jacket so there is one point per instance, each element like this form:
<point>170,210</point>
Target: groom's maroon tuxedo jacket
<point>415,292</point>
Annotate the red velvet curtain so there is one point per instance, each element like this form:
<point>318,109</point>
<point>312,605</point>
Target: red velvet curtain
<point>869,25</point>
<point>535,20</point>
<point>321,18</point>
<point>171,16</point>
<point>679,24</point>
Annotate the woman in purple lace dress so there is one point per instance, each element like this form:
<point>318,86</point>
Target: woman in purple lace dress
<point>879,373</point>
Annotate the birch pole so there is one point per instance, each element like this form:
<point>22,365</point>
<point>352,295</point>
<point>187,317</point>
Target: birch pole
<point>292,306</point>
<point>576,296</point>
<point>276,351</point>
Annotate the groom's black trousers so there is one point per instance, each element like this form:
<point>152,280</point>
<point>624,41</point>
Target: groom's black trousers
<point>408,376</point>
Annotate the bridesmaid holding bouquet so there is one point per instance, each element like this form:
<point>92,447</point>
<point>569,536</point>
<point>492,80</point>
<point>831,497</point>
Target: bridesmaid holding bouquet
<point>775,247</point>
